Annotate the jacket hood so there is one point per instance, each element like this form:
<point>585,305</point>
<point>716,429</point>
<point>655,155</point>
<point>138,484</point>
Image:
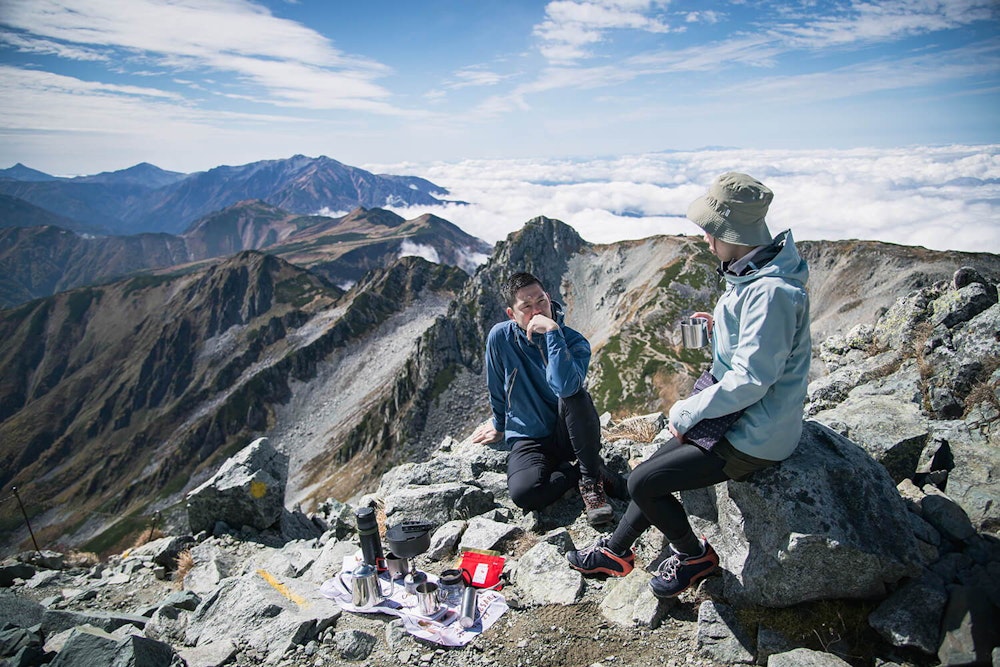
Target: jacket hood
<point>787,263</point>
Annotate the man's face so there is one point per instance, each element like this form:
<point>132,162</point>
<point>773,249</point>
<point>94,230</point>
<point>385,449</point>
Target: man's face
<point>528,302</point>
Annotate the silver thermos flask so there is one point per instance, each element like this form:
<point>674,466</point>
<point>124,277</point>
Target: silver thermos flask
<point>467,615</point>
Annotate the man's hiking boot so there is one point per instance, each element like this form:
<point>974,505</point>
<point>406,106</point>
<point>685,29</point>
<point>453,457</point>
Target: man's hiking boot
<point>615,485</point>
<point>599,559</point>
<point>677,573</point>
<point>595,503</point>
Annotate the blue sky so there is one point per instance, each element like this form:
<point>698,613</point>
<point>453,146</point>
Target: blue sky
<point>872,120</point>
<point>94,85</point>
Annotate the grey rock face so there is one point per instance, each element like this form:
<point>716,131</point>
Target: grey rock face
<point>720,637</point>
<point>911,616</point>
<point>630,602</point>
<point>262,611</point>
<point>544,578</point>
<point>163,551</point>
<point>437,503</point>
<point>354,645</point>
<point>970,629</point>
<point>804,657</point>
<point>88,646</point>
<point>248,490</point>
<point>827,523</point>
<point>487,534</point>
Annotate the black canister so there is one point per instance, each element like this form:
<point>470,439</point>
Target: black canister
<point>371,545</point>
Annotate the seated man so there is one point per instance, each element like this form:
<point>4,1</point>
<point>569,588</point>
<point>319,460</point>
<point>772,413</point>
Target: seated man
<point>535,373</point>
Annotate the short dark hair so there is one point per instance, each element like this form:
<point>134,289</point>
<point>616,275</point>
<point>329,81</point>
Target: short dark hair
<point>517,282</point>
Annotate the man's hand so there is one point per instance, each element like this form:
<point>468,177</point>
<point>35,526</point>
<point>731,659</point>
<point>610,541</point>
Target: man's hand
<point>541,324</point>
<point>485,434</point>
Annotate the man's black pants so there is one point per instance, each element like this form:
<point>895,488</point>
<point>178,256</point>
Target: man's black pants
<point>539,470</point>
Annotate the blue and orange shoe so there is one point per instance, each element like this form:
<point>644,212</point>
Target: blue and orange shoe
<point>679,572</point>
<point>599,559</point>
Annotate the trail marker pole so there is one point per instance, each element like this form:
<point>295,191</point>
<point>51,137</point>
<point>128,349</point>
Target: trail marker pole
<point>26,522</point>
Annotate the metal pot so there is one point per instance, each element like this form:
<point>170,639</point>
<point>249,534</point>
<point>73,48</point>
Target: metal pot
<point>409,538</point>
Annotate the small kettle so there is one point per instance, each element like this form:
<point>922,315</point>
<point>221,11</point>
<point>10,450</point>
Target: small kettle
<point>366,589</point>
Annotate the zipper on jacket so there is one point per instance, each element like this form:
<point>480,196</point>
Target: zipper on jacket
<point>510,389</point>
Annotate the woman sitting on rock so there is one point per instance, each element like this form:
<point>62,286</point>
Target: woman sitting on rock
<point>747,414</point>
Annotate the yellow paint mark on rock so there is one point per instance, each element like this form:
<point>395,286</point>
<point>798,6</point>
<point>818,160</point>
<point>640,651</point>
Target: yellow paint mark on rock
<point>258,489</point>
<point>281,588</point>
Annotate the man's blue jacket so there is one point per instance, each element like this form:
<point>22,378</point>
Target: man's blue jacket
<point>526,378</point>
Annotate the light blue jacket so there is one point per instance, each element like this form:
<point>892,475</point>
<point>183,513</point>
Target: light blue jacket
<point>526,378</point>
<point>761,350</point>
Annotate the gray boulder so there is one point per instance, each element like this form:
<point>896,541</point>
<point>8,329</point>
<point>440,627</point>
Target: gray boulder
<point>543,577</point>
<point>827,523</point>
<point>974,476</point>
<point>630,602</point>
<point>260,610</point>
<point>911,616</point>
<point>720,636</point>
<point>484,533</point>
<point>437,503</point>
<point>89,646</point>
<point>59,620</point>
<point>163,551</point>
<point>885,418</point>
<point>248,490</point>
<point>804,657</point>
<point>970,628</point>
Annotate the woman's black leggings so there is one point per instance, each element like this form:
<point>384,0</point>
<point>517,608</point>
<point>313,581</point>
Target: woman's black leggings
<point>673,467</point>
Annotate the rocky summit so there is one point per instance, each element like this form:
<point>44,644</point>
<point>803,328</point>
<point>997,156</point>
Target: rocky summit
<point>874,544</point>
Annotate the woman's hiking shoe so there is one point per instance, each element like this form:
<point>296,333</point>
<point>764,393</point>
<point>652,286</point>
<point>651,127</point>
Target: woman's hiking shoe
<point>677,573</point>
<point>599,559</point>
<point>595,503</point>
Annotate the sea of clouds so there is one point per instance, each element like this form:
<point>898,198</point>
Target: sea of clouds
<point>939,197</point>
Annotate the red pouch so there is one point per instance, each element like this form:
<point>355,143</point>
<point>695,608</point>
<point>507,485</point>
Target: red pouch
<point>481,568</point>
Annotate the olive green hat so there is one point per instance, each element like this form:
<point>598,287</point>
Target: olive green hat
<point>733,210</point>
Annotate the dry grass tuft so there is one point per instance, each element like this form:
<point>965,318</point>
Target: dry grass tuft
<point>983,391</point>
<point>185,561</point>
<point>147,536</point>
<point>635,428</point>
<point>81,559</point>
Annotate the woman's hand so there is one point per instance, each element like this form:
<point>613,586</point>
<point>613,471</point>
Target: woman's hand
<point>673,432</point>
<point>707,316</point>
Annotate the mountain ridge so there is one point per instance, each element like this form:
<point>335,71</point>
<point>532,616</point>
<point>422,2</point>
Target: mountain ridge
<point>145,198</point>
<point>39,261</point>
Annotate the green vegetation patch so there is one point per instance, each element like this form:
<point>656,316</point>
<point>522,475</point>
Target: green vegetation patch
<point>297,291</point>
<point>79,302</point>
<point>145,282</point>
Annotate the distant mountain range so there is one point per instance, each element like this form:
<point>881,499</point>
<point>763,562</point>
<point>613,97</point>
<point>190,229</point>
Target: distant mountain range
<point>39,261</point>
<point>145,198</point>
<point>60,233</point>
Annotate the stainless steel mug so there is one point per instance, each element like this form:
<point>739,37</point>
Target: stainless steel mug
<point>366,588</point>
<point>694,331</point>
<point>427,598</point>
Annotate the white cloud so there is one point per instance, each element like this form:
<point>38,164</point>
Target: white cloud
<point>572,25</point>
<point>937,197</point>
<point>867,22</point>
<point>288,63</point>
<point>411,249</point>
